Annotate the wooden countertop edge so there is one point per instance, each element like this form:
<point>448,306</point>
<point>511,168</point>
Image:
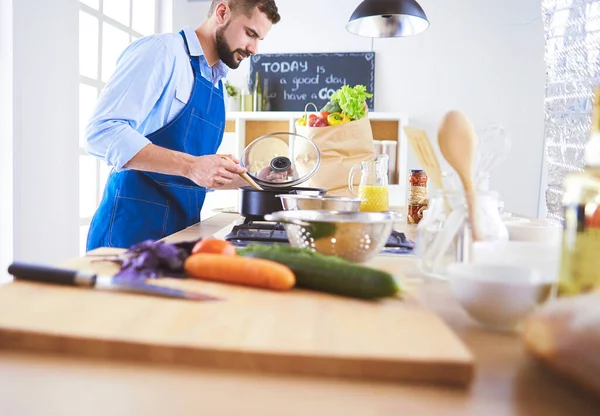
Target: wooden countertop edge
<point>456,373</point>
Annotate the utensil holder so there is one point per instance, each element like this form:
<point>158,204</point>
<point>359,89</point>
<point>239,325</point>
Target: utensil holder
<point>444,235</point>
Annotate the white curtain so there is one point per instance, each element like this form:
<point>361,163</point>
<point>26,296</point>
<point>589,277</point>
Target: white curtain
<point>572,30</point>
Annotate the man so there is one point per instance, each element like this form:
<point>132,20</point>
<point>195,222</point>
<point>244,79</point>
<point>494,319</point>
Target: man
<point>160,119</point>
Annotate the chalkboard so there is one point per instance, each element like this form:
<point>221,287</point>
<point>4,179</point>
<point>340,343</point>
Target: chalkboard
<point>293,80</point>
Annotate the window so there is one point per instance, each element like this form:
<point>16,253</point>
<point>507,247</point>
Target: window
<point>106,27</point>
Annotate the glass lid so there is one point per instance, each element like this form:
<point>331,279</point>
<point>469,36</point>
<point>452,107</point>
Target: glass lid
<point>281,160</point>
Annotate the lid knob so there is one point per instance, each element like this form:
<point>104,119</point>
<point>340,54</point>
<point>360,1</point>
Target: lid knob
<point>280,164</point>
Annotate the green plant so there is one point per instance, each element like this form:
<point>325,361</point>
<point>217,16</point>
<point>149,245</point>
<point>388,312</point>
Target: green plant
<point>232,90</point>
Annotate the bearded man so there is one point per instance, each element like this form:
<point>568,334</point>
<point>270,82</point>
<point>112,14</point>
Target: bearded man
<point>159,122</point>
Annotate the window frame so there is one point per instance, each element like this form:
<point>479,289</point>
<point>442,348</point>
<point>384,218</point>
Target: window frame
<point>98,84</point>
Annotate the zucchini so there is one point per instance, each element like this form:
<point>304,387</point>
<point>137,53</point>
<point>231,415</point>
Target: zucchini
<point>329,274</point>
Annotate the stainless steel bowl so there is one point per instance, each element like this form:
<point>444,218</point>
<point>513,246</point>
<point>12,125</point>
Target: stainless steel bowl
<point>317,202</point>
<point>354,236</point>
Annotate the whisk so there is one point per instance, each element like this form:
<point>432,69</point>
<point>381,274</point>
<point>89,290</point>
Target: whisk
<point>493,149</point>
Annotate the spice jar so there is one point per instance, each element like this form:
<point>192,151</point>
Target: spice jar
<point>417,196</point>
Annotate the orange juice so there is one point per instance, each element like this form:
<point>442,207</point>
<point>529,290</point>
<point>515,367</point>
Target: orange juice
<point>375,197</point>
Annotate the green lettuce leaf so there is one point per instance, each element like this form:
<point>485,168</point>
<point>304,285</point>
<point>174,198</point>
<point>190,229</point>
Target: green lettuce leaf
<point>352,100</point>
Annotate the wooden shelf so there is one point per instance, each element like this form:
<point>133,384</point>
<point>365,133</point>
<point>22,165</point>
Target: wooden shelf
<point>287,115</point>
<point>257,128</point>
<point>247,126</point>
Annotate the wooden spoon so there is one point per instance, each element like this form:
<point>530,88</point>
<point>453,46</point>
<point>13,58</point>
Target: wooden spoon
<point>457,141</point>
<point>245,176</point>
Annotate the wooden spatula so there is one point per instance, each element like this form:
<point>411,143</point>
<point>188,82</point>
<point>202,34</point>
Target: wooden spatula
<point>457,141</point>
<point>421,146</point>
<point>246,177</point>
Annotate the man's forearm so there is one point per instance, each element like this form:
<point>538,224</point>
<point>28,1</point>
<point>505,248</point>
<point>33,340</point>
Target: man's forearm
<point>209,171</point>
<point>157,159</point>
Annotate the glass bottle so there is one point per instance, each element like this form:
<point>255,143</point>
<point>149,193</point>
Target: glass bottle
<point>246,96</point>
<point>266,104</point>
<point>257,93</point>
<point>388,147</point>
<point>417,196</point>
<point>580,267</point>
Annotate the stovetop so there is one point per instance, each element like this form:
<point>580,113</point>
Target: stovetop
<point>263,232</point>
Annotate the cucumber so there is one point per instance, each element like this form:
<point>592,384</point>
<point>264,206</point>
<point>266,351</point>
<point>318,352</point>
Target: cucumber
<point>329,274</point>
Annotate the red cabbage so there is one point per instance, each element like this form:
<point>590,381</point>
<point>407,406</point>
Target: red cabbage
<point>152,259</point>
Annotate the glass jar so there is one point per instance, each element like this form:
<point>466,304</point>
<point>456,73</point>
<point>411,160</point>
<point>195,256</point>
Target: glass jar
<point>444,235</point>
<point>417,196</point>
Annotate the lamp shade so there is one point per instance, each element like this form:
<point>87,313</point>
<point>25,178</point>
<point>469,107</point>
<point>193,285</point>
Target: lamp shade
<point>387,19</point>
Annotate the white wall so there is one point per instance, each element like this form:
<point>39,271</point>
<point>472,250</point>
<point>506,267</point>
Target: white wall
<point>165,16</point>
<point>45,82</point>
<point>483,57</point>
<point>6,137</point>
<point>186,13</point>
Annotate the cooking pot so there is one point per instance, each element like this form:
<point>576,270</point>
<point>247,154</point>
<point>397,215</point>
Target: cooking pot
<point>255,204</point>
<point>278,162</point>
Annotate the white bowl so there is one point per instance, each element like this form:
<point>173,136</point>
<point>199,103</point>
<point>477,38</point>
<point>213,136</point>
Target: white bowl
<point>498,297</point>
<point>539,230</point>
<point>534,255</point>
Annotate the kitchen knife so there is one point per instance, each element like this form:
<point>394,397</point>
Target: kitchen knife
<point>44,274</point>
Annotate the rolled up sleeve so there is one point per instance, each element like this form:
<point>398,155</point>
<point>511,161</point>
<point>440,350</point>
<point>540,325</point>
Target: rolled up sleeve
<point>137,84</point>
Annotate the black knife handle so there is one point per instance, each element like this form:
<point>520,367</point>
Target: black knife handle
<point>45,274</point>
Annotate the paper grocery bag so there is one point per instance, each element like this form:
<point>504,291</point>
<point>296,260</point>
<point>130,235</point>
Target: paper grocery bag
<point>341,147</point>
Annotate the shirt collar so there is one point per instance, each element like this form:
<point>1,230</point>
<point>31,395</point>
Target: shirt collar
<point>196,50</point>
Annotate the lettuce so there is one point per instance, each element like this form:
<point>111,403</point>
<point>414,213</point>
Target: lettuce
<point>352,100</point>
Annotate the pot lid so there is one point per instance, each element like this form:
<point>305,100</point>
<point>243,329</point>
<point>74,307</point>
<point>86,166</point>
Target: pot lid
<point>281,160</point>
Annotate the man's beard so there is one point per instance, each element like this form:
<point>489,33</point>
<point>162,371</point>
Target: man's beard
<point>226,55</point>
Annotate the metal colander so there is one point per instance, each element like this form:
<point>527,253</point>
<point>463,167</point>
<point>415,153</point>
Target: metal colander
<point>354,236</point>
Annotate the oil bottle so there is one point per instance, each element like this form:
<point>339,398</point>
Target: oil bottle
<point>580,261</point>
<point>257,93</point>
<point>247,96</point>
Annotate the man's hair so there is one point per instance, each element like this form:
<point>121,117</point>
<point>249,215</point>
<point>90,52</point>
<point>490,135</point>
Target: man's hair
<point>246,7</point>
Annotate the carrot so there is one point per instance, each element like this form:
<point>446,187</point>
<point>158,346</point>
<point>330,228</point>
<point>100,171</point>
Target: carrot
<point>214,246</point>
<point>240,270</point>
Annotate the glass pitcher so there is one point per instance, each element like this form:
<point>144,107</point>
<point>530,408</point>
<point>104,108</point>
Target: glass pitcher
<point>373,187</point>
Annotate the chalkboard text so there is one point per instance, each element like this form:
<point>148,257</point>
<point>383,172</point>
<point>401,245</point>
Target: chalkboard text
<point>297,79</point>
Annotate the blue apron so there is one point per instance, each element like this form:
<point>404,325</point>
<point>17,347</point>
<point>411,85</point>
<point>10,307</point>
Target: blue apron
<point>140,205</point>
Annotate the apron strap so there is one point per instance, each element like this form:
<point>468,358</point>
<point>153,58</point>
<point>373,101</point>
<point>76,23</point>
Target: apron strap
<point>195,60</point>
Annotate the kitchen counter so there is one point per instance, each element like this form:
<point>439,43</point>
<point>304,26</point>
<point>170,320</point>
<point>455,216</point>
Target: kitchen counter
<point>507,382</point>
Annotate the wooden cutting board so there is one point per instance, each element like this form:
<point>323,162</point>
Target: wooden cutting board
<point>299,332</point>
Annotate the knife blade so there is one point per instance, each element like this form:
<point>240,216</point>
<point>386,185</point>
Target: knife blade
<point>53,275</point>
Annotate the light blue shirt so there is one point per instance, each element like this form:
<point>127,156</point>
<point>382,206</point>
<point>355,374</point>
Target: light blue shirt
<point>151,84</point>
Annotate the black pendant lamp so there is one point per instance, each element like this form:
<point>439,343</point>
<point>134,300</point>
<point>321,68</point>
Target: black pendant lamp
<point>387,19</point>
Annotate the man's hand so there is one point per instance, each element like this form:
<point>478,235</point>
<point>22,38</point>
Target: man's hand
<point>214,171</point>
<point>266,174</point>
